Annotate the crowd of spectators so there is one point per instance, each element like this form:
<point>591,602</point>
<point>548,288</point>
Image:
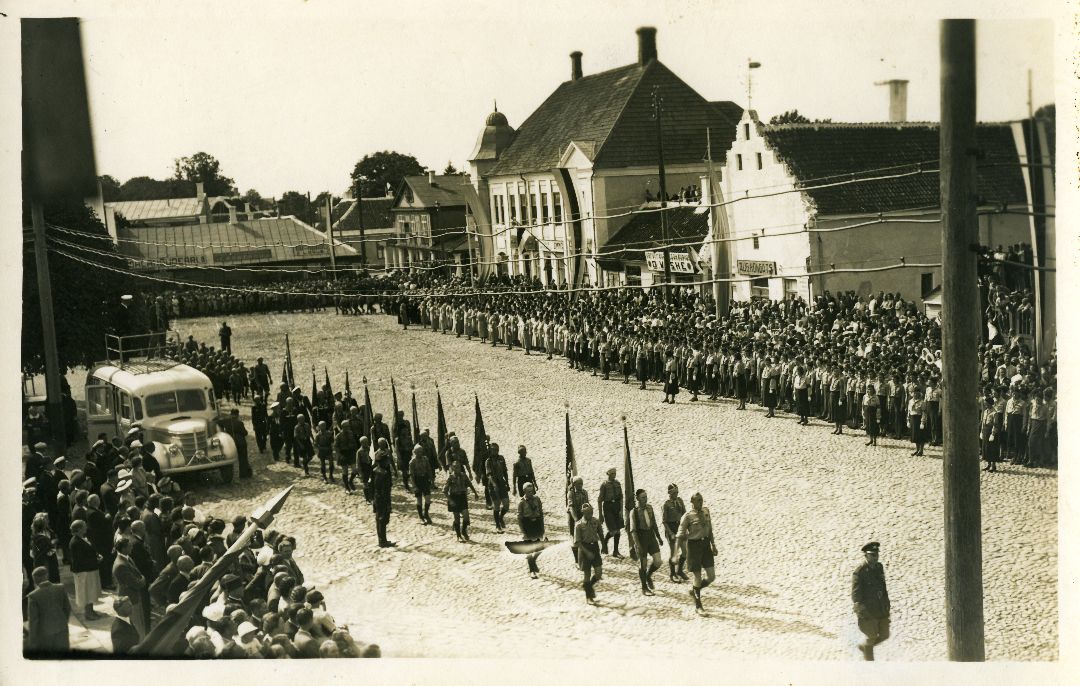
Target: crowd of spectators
<point>136,542</point>
<point>866,362</point>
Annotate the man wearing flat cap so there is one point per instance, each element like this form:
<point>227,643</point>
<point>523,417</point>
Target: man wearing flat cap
<point>871,600</point>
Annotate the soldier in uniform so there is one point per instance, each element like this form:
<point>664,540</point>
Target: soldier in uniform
<point>610,505</point>
<point>674,509</point>
<point>645,539</point>
<point>403,446</point>
<point>587,535</point>
<point>303,450</point>
<point>381,481</point>
<point>497,484</point>
<point>457,488</point>
<point>871,600</point>
<point>523,472</point>
<point>235,428</point>
<point>531,521</point>
<point>576,498</point>
<point>422,473</point>
<point>260,422</point>
<point>697,545</point>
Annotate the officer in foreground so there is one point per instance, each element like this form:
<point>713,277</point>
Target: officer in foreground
<point>871,600</point>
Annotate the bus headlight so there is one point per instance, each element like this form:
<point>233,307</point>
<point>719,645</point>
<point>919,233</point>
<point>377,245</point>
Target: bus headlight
<point>215,442</point>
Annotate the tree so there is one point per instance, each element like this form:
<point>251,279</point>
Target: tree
<point>296,204</point>
<point>146,188</point>
<point>374,173</point>
<point>253,198</point>
<point>110,188</point>
<point>793,117</point>
<point>203,167</point>
<point>450,170</point>
<point>86,298</point>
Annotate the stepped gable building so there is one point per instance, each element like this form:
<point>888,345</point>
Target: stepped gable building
<point>784,181</point>
<point>561,185</point>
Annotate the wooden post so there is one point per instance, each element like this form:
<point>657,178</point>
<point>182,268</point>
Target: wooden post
<point>330,237</point>
<point>54,408</point>
<point>658,109</point>
<point>961,329</point>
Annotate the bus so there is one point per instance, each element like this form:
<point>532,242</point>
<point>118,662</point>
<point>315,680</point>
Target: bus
<point>172,403</point>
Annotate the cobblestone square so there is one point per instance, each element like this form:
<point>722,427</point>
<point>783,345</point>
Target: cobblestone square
<point>791,507</point>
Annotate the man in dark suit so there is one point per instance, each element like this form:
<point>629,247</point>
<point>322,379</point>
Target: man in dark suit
<point>124,634</point>
<point>130,582</point>
<point>159,588</point>
<point>140,555</point>
<point>47,609</point>
<point>100,530</point>
<point>180,582</point>
<point>306,644</point>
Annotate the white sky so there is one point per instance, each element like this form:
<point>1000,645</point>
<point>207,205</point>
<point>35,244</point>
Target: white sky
<point>291,99</point>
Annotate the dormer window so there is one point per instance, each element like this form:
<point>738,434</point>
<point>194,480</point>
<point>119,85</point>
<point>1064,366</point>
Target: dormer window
<point>746,132</point>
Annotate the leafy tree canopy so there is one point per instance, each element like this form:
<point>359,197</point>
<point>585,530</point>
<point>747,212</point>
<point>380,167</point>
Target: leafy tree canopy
<point>794,117</point>
<point>377,172</point>
<point>204,167</point>
<point>146,188</point>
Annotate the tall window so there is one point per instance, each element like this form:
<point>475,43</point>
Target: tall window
<point>521,207</point>
<point>746,131</point>
<point>757,243</point>
<point>513,208</point>
<point>545,216</point>
<point>556,201</point>
<point>534,215</point>
<point>927,283</point>
<point>791,288</point>
<point>759,160</point>
<point>738,162</point>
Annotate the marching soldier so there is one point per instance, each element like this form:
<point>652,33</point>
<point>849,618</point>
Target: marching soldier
<point>276,430</point>
<point>696,544</point>
<point>260,422</point>
<point>576,499</point>
<point>645,539</point>
<point>497,485</point>
<point>871,600</point>
<point>422,472</point>
<point>674,509</point>
<point>587,535</point>
<point>531,521</point>
<point>610,505</point>
<point>523,472</point>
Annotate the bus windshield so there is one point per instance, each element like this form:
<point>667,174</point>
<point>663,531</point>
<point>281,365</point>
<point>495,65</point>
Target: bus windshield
<point>173,402</point>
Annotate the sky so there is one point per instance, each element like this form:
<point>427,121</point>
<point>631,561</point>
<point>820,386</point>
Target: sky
<point>293,97</point>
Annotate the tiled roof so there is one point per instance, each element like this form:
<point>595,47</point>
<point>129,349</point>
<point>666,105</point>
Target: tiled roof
<point>685,224</point>
<point>145,210</point>
<point>280,239</point>
<point>614,109</point>
<point>376,211</point>
<point>445,191</point>
<point>823,153</point>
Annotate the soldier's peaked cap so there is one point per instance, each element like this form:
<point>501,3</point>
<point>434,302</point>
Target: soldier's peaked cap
<point>872,547</point>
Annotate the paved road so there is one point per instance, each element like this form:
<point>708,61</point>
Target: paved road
<point>791,507</point>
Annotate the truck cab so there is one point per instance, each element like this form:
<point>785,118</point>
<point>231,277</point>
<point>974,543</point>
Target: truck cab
<point>172,403</point>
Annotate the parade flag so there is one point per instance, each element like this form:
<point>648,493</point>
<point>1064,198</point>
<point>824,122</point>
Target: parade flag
<point>329,391</point>
<point>393,420</point>
<point>415,418</point>
<point>440,426</point>
<point>348,389</point>
<point>629,499</point>
<point>314,386</point>
<point>287,372</point>
<point>571,460</point>
<point>167,638</point>
<point>479,442</point>
<point>369,417</point>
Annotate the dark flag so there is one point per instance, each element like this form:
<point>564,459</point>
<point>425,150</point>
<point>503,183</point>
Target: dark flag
<point>393,420</point>
<point>329,390</point>
<point>369,416</point>
<point>167,638</point>
<point>287,371</point>
<point>571,460</point>
<point>440,427</point>
<point>415,418</point>
<point>348,390</point>
<point>479,443</point>
<point>314,387</point>
<point>629,499</point>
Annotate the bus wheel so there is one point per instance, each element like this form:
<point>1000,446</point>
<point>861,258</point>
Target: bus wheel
<point>226,474</point>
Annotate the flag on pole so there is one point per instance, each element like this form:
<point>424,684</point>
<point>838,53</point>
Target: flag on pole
<point>629,498</point>
<point>415,418</point>
<point>314,386</point>
<point>369,417</point>
<point>479,443</point>
<point>440,427</point>
<point>571,460</point>
<point>393,420</point>
<point>167,638</point>
<point>329,391</point>
<point>348,390</point>
<point>288,371</point>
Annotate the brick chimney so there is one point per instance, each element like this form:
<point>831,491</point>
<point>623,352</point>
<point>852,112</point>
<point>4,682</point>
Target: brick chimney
<point>897,98</point>
<point>575,65</point>
<point>431,177</point>
<point>200,190</point>
<point>646,51</point>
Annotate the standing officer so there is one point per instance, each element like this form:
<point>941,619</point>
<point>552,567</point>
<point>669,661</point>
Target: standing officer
<point>871,600</point>
<point>225,333</point>
<point>262,378</point>
<point>610,504</point>
<point>403,445</point>
<point>381,479</point>
<point>645,539</point>
<point>235,428</point>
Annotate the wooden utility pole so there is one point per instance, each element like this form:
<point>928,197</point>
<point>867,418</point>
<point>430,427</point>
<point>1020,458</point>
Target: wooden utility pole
<point>718,249</point>
<point>658,109</point>
<point>360,216</point>
<point>54,407</point>
<point>961,329</point>
<point>330,237</point>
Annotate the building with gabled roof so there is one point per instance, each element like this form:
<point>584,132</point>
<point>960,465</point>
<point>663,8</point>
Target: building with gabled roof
<point>429,222</point>
<point>570,175</point>
<point>807,198</point>
<point>367,225</point>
